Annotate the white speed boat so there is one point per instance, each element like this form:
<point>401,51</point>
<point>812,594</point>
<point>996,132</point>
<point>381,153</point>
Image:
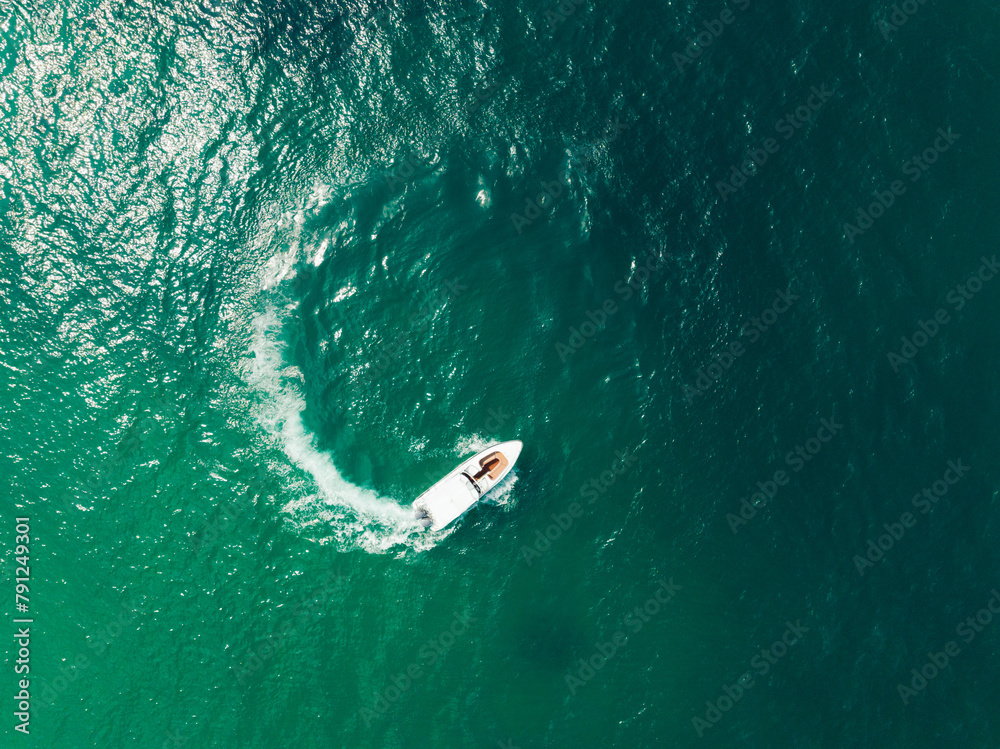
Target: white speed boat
<point>457,492</point>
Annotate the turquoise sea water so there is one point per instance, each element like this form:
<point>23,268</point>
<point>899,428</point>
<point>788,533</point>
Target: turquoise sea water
<point>271,269</point>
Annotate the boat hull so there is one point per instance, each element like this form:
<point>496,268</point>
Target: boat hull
<point>462,488</point>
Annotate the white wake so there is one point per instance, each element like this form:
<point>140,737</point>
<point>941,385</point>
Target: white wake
<point>332,508</point>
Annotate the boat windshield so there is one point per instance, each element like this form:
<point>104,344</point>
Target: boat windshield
<point>472,480</point>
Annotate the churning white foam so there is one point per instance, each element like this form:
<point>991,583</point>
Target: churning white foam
<point>326,504</point>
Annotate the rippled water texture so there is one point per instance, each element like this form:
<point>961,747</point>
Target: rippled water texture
<point>270,270</point>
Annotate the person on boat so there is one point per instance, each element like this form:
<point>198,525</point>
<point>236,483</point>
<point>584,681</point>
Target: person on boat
<point>488,465</point>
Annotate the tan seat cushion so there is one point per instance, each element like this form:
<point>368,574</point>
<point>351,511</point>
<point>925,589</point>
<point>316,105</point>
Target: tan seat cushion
<point>494,463</point>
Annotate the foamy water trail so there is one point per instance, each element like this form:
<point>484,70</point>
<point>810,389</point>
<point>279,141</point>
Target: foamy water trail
<point>327,505</point>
